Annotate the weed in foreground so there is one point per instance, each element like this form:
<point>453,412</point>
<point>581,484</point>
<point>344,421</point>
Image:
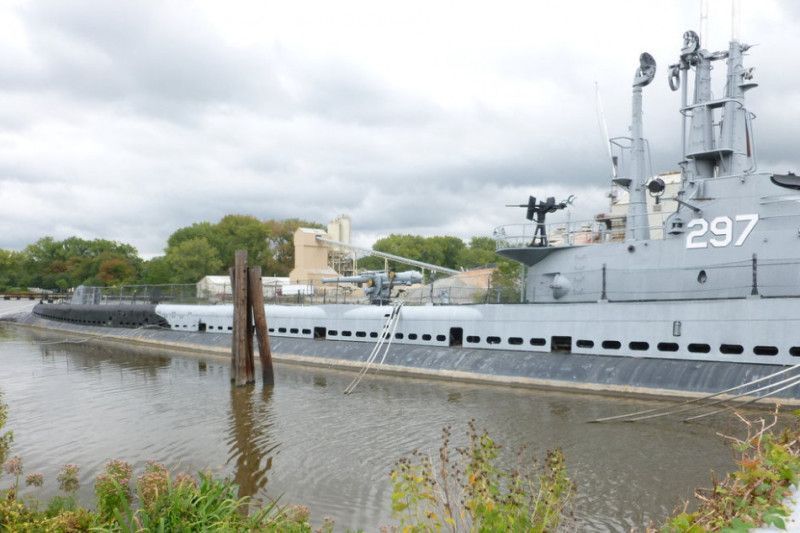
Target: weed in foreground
<point>466,489</point>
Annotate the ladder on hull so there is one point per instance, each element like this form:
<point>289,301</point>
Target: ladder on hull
<point>384,341</point>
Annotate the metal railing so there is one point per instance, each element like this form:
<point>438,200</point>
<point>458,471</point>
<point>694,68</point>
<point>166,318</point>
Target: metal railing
<point>570,233</point>
<point>769,278</point>
<point>307,293</point>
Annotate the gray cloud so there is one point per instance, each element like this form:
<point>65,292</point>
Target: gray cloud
<point>127,120</point>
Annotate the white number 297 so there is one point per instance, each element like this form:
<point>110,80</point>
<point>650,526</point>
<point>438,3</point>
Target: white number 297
<point>721,231</point>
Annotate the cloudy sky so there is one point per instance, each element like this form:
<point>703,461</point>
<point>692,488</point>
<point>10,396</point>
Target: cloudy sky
<point>126,120</point>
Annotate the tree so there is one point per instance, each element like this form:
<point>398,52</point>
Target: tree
<point>242,232</point>
<point>440,250</point>
<point>156,271</point>
<point>281,243</point>
<point>116,271</point>
<point>11,269</point>
<point>506,281</point>
<point>193,259</point>
<point>480,252</point>
<point>50,264</point>
<point>269,244</point>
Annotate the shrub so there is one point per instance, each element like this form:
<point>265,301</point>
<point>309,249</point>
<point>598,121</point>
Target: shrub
<point>753,495</point>
<point>468,491</point>
<point>112,488</point>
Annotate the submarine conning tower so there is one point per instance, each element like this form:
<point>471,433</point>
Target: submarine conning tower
<point>719,138</point>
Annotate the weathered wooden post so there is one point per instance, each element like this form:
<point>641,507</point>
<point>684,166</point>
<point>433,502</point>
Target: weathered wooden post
<point>256,297</point>
<point>240,324</point>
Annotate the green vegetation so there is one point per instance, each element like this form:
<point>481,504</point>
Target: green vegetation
<point>191,253</point>
<point>450,252</point>
<point>157,501</point>
<point>753,495</point>
<point>207,248</point>
<point>467,490</point>
<point>161,502</point>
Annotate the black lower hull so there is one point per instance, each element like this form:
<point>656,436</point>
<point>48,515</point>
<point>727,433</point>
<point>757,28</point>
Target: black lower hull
<point>109,315</point>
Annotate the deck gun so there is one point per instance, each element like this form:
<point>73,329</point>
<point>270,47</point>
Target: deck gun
<point>378,284</point>
<point>539,210</point>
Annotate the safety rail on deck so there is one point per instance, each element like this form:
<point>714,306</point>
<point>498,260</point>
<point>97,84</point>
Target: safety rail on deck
<point>302,293</point>
<point>767,278</point>
<point>571,233</point>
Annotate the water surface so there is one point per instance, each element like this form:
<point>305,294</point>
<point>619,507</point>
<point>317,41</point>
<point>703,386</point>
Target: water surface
<point>306,442</point>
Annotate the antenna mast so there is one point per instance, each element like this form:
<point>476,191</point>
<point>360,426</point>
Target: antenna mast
<point>601,120</point>
<point>704,22</point>
<point>736,20</point>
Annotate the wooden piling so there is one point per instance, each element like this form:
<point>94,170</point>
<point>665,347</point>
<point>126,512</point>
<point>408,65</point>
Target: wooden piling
<point>232,275</point>
<point>256,297</point>
<point>240,325</point>
<point>250,369</point>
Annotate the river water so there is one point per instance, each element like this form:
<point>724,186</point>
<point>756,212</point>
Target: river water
<point>307,443</point>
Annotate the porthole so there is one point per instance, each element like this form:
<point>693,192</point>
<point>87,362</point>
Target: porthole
<point>398,335</point>
<point>611,345</point>
<point>583,343</point>
<point>765,350</point>
<point>271,330</point>
<point>516,341</point>
<point>441,338</point>
<point>306,331</point>
<point>702,277</point>
<point>347,333</point>
<point>697,347</point>
<point>412,336</point>
<point>731,349</point>
<point>493,340</point>
<point>794,351</point>
<point>361,334</point>
<point>373,334</point>
<point>333,332</point>
<point>667,347</point>
<point>537,341</point>
<point>639,346</point>
<point>473,339</point>
<point>294,331</point>
<point>426,337</point>
<point>281,330</point>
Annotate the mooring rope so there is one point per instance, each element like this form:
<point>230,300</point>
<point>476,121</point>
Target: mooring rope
<point>388,332</point>
<point>748,402</point>
<point>672,408</point>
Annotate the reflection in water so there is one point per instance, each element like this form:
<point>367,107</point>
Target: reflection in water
<point>305,442</point>
<point>249,442</point>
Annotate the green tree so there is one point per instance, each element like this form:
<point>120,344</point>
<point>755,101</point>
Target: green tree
<point>242,232</point>
<point>506,281</point>
<point>206,230</point>
<point>480,252</point>
<point>11,269</point>
<point>281,243</point>
<point>440,250</point>
<point>116,271</point>
<point>268,243</point>
<point>50,264</point>
<point>193,259</point>
<point>156,271</point>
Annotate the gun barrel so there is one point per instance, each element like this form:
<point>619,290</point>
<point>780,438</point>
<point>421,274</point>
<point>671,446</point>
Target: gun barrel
<point>345,279</point>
